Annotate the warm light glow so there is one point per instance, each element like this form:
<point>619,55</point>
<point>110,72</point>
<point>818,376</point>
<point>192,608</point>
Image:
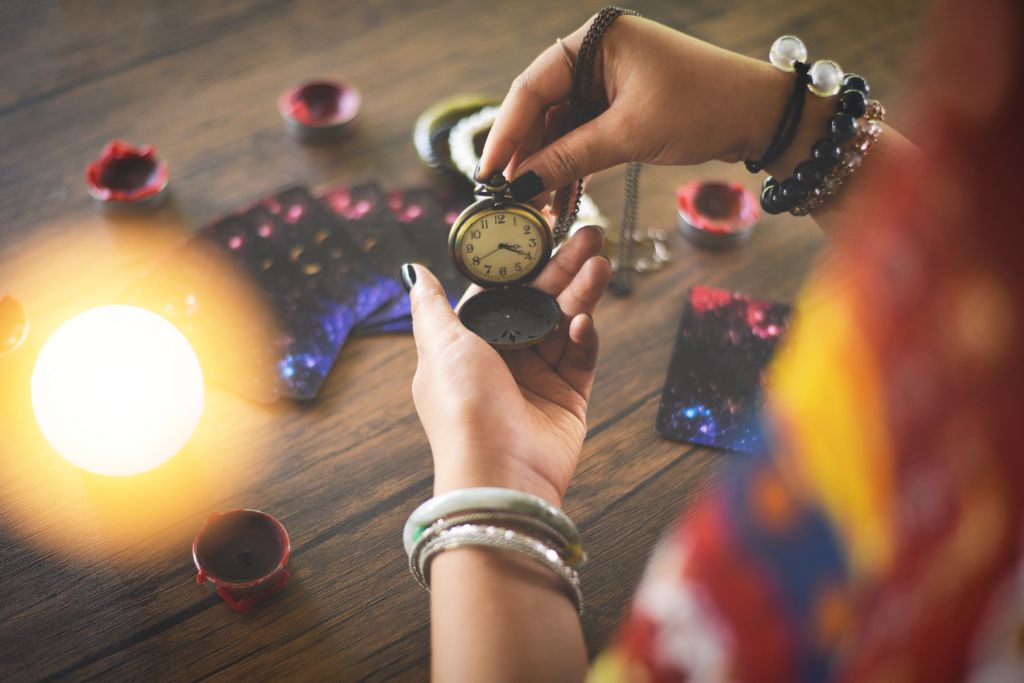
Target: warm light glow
<point>117,390</point>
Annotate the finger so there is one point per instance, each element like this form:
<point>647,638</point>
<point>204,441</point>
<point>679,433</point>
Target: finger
<point>580,297</point>
<point>560,270</point>
<point>596,145</point>
<point>545,82</point>
<point>579,360</point>
<point>434,324</point>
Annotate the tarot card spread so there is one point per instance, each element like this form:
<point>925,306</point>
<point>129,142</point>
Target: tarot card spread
<point>713,394</point>
<point>306,270</point>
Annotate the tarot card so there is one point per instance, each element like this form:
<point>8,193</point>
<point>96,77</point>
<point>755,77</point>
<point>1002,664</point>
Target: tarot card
<point>305,276</point>
<point>713,394</point>
<point>425,217</point>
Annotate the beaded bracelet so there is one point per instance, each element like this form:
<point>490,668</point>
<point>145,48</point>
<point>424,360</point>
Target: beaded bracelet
<point>851,161</point>
<point>826,153</point>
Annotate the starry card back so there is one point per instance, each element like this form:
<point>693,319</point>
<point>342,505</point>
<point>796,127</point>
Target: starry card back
<point>714,391</point>
<point>341,287</point>
<point>424,217</point>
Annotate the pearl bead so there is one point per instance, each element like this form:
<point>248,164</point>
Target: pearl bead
<point>826,76</point>
<point>787,50</point>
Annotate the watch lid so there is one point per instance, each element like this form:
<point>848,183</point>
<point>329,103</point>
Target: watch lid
<point>716,214</point>
<point>127,175</point>
<point>321,110</point>
<point>511,317</point>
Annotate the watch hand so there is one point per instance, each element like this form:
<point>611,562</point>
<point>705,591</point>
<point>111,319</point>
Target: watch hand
<point>514,248</point>
<point>500,247</point>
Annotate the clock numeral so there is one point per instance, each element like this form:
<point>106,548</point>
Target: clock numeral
<point>476,260</point>
<point>488,268</point>
<point>475,234</point>
<point>529,256</point>
<point>533,241</point>
<point>499,218</point>
<point>518,266</point>
<point>469,248</point>
<point>527,229</point>
<point>503,271</point>
<point>483,223</point>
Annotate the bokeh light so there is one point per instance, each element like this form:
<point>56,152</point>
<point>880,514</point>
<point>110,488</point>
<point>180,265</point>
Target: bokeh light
<point>117,390</point>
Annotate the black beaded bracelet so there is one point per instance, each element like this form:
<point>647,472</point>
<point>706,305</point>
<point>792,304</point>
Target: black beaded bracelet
<point>779,197</point>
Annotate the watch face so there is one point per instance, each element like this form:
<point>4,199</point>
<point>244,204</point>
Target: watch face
<point>511,318</point>
<point>500,246</point>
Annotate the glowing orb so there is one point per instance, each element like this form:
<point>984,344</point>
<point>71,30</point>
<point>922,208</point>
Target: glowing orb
<point>117,390</point>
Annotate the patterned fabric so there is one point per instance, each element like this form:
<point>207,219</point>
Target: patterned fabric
<point>881,540</point>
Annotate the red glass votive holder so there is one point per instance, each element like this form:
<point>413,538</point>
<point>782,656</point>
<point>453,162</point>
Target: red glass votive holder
<point>124,175</point>
<point>716,214</point>
<point>241,556</point>
<point>320,111</point>
<point>13,325</point>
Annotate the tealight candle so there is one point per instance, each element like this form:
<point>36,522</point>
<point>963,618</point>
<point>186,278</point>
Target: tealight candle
<point>241,556</point>
<point>319,111</point>
<point>716,215</point>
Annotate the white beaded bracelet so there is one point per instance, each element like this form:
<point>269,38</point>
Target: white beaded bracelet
<point>826,75</point>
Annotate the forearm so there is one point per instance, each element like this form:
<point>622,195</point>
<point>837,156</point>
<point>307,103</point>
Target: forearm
<point>496,616</point>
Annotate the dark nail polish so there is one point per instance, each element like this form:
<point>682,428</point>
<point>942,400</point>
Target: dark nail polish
<point>526,186</point>
<point>408,276</point>
<point>476,173</point>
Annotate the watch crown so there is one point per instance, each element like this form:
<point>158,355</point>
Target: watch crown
<point>495,185</point>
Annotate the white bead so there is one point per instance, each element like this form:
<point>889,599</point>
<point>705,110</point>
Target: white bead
<point>826,77</point>
<point>786,50</point>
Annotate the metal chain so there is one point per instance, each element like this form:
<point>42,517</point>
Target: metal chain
<point>581,109</point>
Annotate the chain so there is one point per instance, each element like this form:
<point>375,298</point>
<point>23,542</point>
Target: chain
<point>581,106</point>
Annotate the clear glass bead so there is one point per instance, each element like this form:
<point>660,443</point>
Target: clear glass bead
<point>852,161</point>
<point>873,128</point>
<point>786,51</point>
<point>826,77</point>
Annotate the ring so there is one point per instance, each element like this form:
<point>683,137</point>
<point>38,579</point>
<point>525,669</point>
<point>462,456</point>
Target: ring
<point>568,57</point>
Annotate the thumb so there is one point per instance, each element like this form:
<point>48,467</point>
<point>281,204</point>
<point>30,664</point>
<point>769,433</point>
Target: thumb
<point>433,320</point>
<point>593,147</point>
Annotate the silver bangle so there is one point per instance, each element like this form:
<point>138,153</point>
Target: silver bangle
<point>571,553</point>
<point>486,498</point>
<point>478,535</point>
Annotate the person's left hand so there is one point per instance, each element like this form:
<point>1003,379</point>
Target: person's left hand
<point>514,419</point>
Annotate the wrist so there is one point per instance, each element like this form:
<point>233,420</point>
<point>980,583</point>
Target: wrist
<point>452,476</point>
<point>767,96</point>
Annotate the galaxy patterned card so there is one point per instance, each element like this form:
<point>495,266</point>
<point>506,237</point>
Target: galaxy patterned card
<point>309,274</point>
<point>713,394</point>
<point>424,216</point>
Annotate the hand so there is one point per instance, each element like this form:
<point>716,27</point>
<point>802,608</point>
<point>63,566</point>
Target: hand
<point>672,99</point>
<point>514,419</point>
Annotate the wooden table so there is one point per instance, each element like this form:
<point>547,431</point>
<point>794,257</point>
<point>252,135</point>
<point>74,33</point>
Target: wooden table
<point>97,578</point>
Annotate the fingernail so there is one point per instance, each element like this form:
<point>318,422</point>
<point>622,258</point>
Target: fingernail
<point>408,276</point>
<point>476,173</point>
<point>526,186</point>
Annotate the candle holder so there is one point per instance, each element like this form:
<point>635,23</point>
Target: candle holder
<point>319,111</point>
<point>241,556</point>
<point>716,214</point>
<point>124,175</point>
<point>13,325</point>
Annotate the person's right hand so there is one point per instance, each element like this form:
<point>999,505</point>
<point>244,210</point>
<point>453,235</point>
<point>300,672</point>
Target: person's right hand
<point>672,99</point>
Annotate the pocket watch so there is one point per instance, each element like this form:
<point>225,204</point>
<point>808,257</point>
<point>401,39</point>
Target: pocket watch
<point>501,245</point>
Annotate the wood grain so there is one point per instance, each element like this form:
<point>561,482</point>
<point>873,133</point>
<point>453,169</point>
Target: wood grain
<point>98,580</point>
